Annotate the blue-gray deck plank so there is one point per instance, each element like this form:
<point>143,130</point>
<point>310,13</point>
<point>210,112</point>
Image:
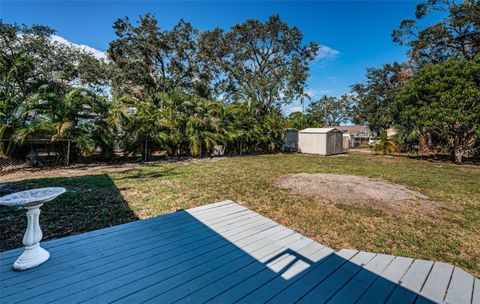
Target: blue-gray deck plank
<point>476,292</point>
<point>92,257</point>
<point>460,289</point>
<point>326,289</point>
<point>352,291</point>
<point>320,272</point>
<point>436,286</point>
<point>89,236</point>
<point>383,285</point>
<point>64,263</point>
<point>263,253</point>
<point>221,253</point>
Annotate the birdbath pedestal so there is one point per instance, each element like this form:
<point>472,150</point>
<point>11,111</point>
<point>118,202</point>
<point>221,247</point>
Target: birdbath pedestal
<point>32,200</point>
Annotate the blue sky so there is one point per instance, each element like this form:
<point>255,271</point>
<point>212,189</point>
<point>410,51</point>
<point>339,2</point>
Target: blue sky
<point>356,34</point>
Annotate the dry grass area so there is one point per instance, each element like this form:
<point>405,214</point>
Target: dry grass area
<point>447,230</point>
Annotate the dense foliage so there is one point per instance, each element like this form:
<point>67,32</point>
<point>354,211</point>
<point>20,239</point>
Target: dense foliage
<point>147,59</point>
<point>36,77</point>
<point>327,111</point>
<point>184,91</point>
<point>267,61</point>
<point>183,124</point>
<point>432,100</point>
<point>163,92</point>
<point>440,105</point>
<point>376,96</point>
<point>456,35</point>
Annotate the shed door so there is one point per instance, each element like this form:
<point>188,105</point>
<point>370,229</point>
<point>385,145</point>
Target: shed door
<point>338,139</point>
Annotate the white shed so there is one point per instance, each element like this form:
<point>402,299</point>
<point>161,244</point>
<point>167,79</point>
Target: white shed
<point>323,141</point>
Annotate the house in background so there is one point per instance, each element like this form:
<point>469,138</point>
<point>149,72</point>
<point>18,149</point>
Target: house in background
<point>357,135</point>
<point>391,132</point>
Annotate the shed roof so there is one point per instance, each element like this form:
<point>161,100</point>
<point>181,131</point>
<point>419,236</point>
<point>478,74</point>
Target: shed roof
<point>317,130</point>
<point>350,129</point>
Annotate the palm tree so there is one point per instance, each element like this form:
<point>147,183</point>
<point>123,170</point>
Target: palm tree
<point>203,129</point>
<point>385,145</point>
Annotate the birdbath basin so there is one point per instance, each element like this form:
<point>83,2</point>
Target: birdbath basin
<point>32,200</point>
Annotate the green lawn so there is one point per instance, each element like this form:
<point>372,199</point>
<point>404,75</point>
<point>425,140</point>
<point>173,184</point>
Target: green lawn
<point>111,196</point>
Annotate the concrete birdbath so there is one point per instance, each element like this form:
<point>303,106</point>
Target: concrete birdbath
<point>32,200</point>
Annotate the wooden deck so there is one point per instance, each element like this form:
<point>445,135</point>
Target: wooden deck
<point>224,253</point>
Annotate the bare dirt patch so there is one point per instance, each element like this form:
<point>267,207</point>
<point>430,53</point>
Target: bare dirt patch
<point>358,191</point>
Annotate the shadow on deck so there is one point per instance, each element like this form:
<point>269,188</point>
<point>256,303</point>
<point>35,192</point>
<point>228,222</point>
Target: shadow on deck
<point>223,253</point>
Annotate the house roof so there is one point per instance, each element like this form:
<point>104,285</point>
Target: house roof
<point>317,130</point>
<point>349,129</point>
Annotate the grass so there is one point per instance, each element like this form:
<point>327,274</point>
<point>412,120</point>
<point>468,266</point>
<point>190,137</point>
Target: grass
<point>111,196</point>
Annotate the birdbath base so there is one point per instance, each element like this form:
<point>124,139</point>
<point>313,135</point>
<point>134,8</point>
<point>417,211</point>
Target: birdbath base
<point>31,257</point>
<point>32,200</point>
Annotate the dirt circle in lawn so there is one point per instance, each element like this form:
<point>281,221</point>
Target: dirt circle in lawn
<point>357,191</point>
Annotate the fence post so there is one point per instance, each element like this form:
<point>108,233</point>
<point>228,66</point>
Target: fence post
<point>68,152</point>
<point>146,147</point>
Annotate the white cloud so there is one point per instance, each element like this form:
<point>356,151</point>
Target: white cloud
<point>311,92</point>
<point>325,56</point>
<point>294,109</point>
<point>326,52</point>
<point>96,53</point>
<point>314,93</point>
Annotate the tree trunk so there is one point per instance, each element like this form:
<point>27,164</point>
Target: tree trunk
<point>10,147</point>
<point>458,156</point>
<point>457,150</point>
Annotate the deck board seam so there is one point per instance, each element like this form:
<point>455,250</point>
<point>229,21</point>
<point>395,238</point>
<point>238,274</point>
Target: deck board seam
<point>326,259</point>
<point>331,273</point>
<point>133,271</point>
<point>353,277</point>
<point>399,281</point>
<point>109,230</point>
<point>141,227</point>
<point>127,248</point>
<point>268,281</point>
<point>396,283</point>
<point>176,241</point>
<point>373,282</point>
<point>208,251</point>
<point>243,266</point>
<point>448,285</point>
<point>188,269</point>
<point>473,290</point>
<point>425,282</point>
<point>349,280</point>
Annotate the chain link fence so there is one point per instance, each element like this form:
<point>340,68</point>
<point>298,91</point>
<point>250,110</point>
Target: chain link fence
<point>35,153</point>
